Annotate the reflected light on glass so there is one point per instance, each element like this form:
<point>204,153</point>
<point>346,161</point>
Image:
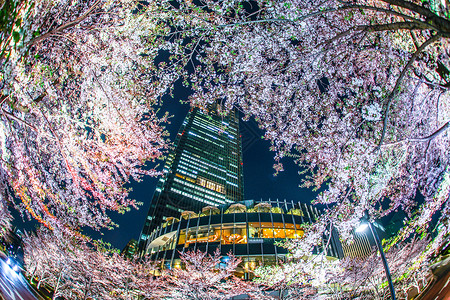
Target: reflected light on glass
<point>362,227</point>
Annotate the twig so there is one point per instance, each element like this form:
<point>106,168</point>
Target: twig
<point>3,98</point>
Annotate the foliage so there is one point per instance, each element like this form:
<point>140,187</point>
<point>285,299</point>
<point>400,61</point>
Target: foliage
<point>78,108</point>
<point>355,278</point>
<point>77,270</point>
<point>5,221</point>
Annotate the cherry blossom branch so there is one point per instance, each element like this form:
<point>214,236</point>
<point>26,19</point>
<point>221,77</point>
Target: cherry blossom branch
<point>338,36</point>
<point>97,27</point>
<point>325,11</point>
<point>430,16</point>
<point>65,26</point>
<point>395,90</point>
<point>3,98</point>
<point>109,99</point>
<point>64,36</point>
<point>422,78</point>
<point>379,27</point>
<point>382,27</point>
<point>193,51</point>
<point>424,139</point>
<point>10,115</point>
<point>388,11</point>
<point>395,26</point>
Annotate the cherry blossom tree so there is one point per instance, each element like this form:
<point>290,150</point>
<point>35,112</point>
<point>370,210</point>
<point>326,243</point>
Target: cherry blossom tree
<point>410,268</point>
<point>5,215</point>
<point>138,278</point>
<point>355,91</point>
<point>5,220</point>
<point>78,108</point>
<point>204,276</point>
<point>76,270</point>
<point>307,277</point>
<point>288,280</point>
<point>366,276</point>
<point>48,260</point>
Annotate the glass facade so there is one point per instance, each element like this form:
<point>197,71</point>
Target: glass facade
<point>361,246</point>
<point>205,169</point>
<point>248,229</point>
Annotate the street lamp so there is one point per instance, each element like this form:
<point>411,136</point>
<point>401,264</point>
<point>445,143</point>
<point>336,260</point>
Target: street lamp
<point>362,227</point>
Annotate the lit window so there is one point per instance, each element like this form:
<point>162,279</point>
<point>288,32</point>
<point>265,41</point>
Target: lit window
<point>210,185</point>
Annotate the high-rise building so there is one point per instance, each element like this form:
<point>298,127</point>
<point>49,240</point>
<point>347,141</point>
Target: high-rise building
<point>204,169</point>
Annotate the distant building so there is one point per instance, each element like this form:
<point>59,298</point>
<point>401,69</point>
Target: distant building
<point>204,169</point>
<point>363,243</point>
<point>130,249</point>
<point>248,229</point>
<point>360,247</point>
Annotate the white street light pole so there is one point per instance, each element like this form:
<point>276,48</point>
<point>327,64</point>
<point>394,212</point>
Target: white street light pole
<point>364,224</point>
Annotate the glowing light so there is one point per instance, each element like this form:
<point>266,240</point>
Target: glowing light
<point>362,227</point>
